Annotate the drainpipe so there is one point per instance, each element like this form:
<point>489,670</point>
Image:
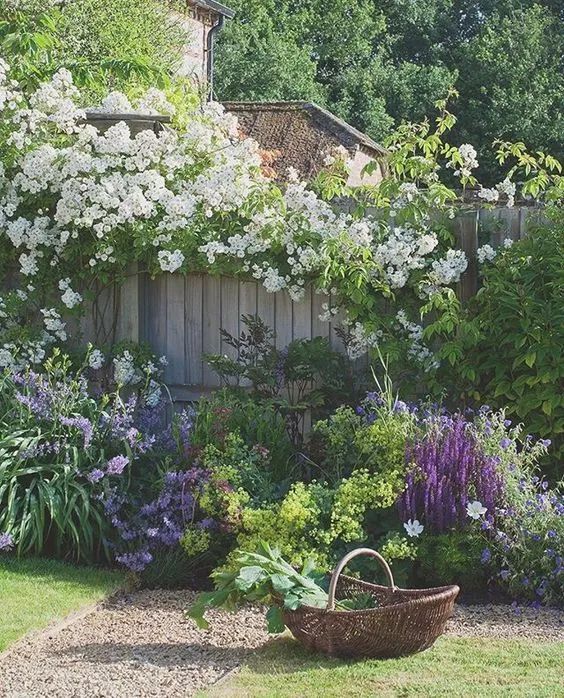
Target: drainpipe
<point>209,51</point>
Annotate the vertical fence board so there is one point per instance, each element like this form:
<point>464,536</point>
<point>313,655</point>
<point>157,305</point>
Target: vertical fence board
<point>175,329</point>
<point>466,230</point>
<point>247,306</point>
<point>211,321</point>
<point>301,317</point>
<point>266,306</point>
<point>156,315</point>
<point>128,307</point>
<point>284,324</point>
<point>193,337</point>
<point>247,298</point>
<point>229,312</point>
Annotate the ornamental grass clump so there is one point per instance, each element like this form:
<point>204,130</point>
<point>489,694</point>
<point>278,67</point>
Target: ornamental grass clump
<point>450,476</point>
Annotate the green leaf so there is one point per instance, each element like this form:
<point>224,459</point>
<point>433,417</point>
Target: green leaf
<point>281,583</point>
<point>530,359</point>
<point>274,620</point>
<point>248,577</point>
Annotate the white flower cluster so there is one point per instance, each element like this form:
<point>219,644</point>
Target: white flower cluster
<point>417,348</point>
<point>129,372</point>
<point>125,371</point>
<point>507,188</point>
<point>404,250</point>
<point>96,359</point>
<point>360,341</point>
<point>170,261</point>
<point>469,158</point>
<point>75,193</point>
<point>486,253</point>
<point>449,269</point>
<point>70,298</point>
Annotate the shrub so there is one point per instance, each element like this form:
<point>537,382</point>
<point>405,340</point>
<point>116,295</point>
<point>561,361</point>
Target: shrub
<point>60,448</point>
<point>517,359</point>
<point>115,44</point>
<point>305,375</point>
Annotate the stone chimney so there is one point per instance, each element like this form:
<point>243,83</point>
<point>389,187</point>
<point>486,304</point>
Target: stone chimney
<point>203,19</point>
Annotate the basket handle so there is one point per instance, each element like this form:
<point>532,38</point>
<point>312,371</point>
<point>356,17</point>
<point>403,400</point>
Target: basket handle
<point>345,561</point>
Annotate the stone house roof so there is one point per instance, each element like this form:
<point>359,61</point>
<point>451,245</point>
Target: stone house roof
<point>303,134</point>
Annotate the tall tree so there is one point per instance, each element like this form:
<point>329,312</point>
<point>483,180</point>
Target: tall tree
<point>376,64</point>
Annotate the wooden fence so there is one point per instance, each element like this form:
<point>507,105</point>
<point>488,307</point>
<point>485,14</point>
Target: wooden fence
<point>181,316</point>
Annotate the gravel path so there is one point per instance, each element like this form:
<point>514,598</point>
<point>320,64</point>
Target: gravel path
<point>139,645</point>
<point>136,646</point>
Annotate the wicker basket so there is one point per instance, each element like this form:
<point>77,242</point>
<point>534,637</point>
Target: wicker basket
<point>405,621</point>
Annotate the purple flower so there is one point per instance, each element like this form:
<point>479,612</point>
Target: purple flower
<point>504,574</point>
<point>117,465</point>
<point>486,556</point>
<point>545,442</point>
<point>83,424</point>
<point>505,442</point>
<point>136,562</point>
<point>95,475</point>
<point>450,469</point>
<point>551,533</point>
<point>6,541</point>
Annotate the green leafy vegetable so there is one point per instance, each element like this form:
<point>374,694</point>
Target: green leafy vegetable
<point>265,577</point>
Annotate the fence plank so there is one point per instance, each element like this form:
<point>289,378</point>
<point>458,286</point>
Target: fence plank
<point>128,307</point>
<point>266,306</point>
<point>229,312</point>
<point>193,338</point>
<point>301,317</point>
<point>156,315</point>
<point>211,338</point>
<point>466,231</point>
<point>175,329</point>
<point>284,324</point>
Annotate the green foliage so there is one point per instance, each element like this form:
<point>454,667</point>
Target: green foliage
<point>511,71</point>
<point>451,558</point>
<point>53,435</point>
<point>516,324</point>
<point>265,577</point>
<point>305,375</point>
<point>45,506</point>
<point>523,548</point>
<point>259,425</point>
<point>376,65</point>
<point>117,44</point>
<point>351,505</point>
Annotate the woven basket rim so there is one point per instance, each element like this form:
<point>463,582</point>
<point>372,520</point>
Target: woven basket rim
<point>428,595</point>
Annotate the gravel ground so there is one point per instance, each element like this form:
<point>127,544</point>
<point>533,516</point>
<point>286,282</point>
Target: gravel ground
<point>139,645</point>
<point>505,623</point>
<point>135,646</point>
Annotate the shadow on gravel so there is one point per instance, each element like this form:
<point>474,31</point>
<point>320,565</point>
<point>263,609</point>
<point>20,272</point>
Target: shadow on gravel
<point>157,654</point>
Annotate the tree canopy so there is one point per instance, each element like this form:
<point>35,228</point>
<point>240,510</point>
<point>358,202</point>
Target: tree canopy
<point>377,64</point>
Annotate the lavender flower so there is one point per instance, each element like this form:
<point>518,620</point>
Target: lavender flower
<point>136,562</point>
<point>82,423</point>
<point>95,475</point>
<point>6,542</point>
<point>117,465</point>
